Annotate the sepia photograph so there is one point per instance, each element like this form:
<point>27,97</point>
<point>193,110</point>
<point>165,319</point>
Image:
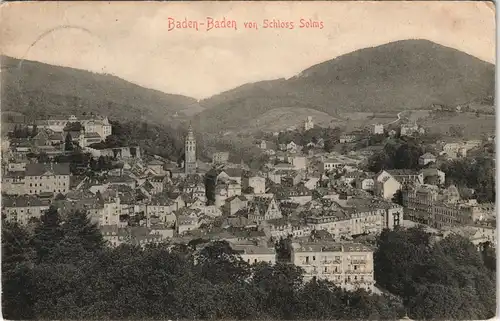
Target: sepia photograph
<point>248,160</point>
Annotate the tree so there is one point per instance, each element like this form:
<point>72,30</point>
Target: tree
<point>43,158</point>
<point>81,238</point>
<point>68,143</point>
<point>219,263</point>
<point>47,235</point>
<point>34,131</point>
<point>456,131</point>
<point>278,287</point>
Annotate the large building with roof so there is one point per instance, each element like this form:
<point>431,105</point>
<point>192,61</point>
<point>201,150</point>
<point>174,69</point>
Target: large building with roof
<point>47,178</point>
<point>348,265</point>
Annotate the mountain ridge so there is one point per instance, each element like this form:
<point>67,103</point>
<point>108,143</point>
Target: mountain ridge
<point>400,75</point>
<point>37,89</point>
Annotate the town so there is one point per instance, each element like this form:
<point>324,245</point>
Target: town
<point>326,204</point>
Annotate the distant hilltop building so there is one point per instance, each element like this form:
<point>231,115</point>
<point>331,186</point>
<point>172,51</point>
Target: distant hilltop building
<point>378,129</point>
<point>92,124</point>
<point>308,124</point>
<point>190,153</point>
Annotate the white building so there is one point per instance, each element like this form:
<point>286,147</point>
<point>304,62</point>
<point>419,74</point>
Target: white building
<point>348,265</point>
<point>378,129</point>
<point>253,254</point>
<point>308,124</point>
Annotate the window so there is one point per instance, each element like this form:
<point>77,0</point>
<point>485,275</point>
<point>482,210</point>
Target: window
<point>307,259</point>
<point>314,258</point>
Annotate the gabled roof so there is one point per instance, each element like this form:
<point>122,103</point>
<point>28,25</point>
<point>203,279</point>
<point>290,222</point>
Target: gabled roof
<point>233,172</point>
<point>39,169</point>
<point>92,135</point>
<point>428,156</point>
<point>23,201</point>
<point>401,172</point>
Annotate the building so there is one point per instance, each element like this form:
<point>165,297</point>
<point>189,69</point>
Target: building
<point>220,158</point>
<point>91,124</point>
<point>426,158</point>
<point>13,182</point>
<point>190,163</point>
<point>253,254</point>
<point>292,147</point>
<point>257,183</point>
<point>263,209</point>
<point>230,174</point>
<point>308,124</point>
<point>385,185</point>
<point>356,216</point>
<point>378,129</point>
<point>298,162</point>
<point>433,176</point>
<point>440,209</point>
<point>344,139</point>
<point>348,265</point>
<point>23,208</point>
<point>47,178</point>
<point>331,164</point>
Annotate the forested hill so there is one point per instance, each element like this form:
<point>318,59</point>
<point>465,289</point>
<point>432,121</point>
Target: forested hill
<point>37,89</point>
<point>403,75</point>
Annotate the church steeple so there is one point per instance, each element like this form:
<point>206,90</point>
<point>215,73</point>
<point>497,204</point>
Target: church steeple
<point>190,152</point>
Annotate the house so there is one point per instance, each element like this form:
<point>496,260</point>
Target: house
<point>257,183</point>
<point>46,178</point>
<point>162,209</point>
<point>347,265</point>
<point>330,164</point>
<point>156,166</point>
<point>347,139</point>
<point>262,144</point>
<point>308,124</point>
<point>290,178</point>
<point>263,209</point>
<point>13,183</point>
<point>23,208</point>
<point>312,183</point>
<point>298,162</point>
<point>365,183</point>
<point>433,176</point>
<point>406,175</point>
<point>426,158</point>
<point>411,129</point>
<point>137,235</point>
<point>378,129</point>
<point>88,138</point>
<point>186,223</point>
<point>228,174</point>
<point>253,254</point>
<point>90,123</point>
<point>220,158</point>
<point>296,194</point>
<point>292,147</point>
<point>386,186</point>
<point>235,203</point>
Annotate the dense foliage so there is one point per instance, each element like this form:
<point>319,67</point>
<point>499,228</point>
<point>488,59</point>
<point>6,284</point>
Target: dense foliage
<point>477,173</point>
<point>63,270</point>
<point>396,154</point>
<point>153,139</point>
<point>446,279</point>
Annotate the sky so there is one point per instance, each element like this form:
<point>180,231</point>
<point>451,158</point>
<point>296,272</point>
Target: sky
<point>132,40</point>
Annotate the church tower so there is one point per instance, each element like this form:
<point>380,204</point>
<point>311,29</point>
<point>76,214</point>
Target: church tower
<point>190,152</point>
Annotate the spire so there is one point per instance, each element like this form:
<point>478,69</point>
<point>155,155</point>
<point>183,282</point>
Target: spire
<point>190,134</point>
